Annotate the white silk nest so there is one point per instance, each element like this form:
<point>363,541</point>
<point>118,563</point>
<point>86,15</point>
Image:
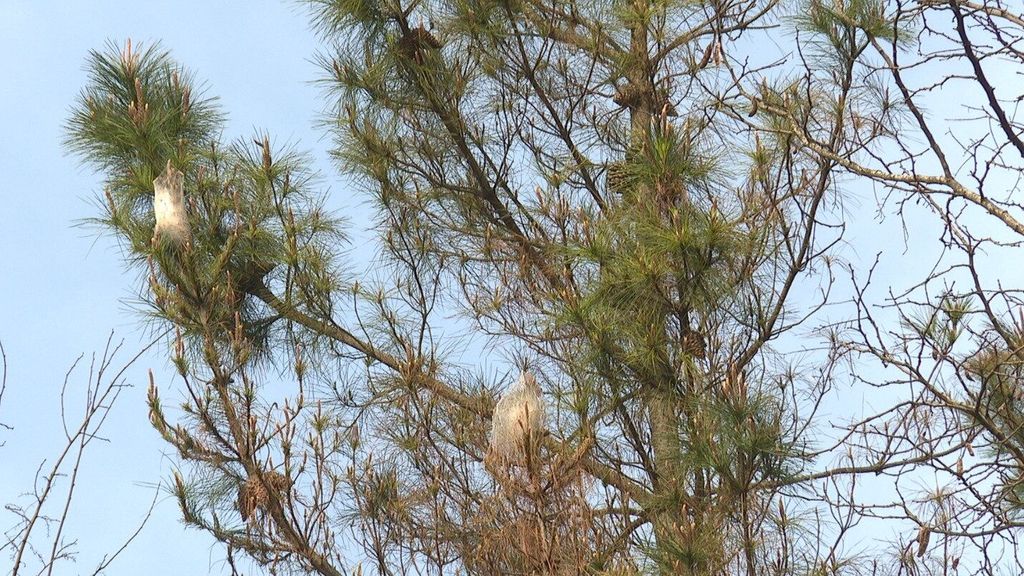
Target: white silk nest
<point>169,207</point>
<point>518,420</point>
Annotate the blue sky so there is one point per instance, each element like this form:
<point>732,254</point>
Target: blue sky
<point>64,288</point>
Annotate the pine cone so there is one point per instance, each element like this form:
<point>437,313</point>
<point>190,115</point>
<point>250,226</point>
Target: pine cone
<point>616,177</point>
<point>415,43</point>
<point>694,345</point>
<point>630,96</point>
<point>253,496</point>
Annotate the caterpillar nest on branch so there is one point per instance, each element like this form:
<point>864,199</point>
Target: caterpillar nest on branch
<point>517,423</point>
<point>169,207</point>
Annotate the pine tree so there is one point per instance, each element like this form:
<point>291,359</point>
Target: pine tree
<point>605,192</point>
